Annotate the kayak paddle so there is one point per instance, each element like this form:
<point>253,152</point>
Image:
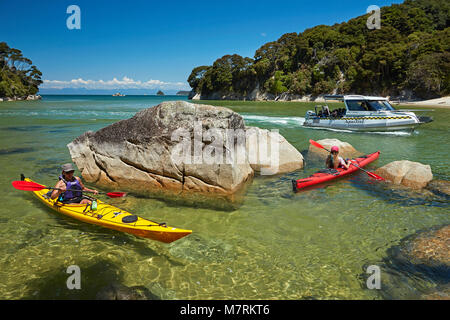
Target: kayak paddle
<point>33,186</point>
<point>370,174</point>
<point>318,145</point>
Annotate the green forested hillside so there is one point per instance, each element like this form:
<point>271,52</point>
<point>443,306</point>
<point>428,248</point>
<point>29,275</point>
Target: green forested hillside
<point>409,53</point>
<point>18,77</point>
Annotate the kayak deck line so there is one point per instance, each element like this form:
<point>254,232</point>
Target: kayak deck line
<point>109,216</point>
<point>99,216</point>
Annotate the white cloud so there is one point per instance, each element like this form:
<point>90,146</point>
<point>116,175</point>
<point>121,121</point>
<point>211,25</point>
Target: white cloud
<point>124,83</point>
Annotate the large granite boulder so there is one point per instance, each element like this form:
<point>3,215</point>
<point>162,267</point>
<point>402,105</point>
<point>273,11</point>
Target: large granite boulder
<point>176,149</point>
<point>410,174</point>
<point>140,154</point>
<point>346,150</point>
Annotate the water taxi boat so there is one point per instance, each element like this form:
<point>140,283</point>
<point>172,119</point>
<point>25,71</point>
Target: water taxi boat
<point>363,113</point>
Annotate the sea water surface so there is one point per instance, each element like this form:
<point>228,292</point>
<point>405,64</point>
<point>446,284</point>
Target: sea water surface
<point>315,244</point>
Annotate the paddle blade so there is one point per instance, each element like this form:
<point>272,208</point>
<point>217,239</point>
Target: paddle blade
<point>370,174</point>
<point>27,186</point>
<point>316,144</point>
<point>374,176</point>
<point>116,194</point>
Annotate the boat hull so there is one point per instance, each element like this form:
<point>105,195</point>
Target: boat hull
<point>365,124</point>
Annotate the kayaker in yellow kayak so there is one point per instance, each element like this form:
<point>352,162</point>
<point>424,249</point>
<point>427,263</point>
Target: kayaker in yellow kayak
<point>70,187</point>
<point>334,161</point>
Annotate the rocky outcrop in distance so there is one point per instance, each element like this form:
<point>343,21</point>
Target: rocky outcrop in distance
<point>255,95</point>
<point>28,98</point>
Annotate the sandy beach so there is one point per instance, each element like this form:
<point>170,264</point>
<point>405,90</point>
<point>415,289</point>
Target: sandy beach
<point>443,102</point>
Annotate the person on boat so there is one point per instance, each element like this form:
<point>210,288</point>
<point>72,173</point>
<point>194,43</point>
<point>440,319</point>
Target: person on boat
<point>334,161</point>
<point>67,181</point>
<point>365,105</point>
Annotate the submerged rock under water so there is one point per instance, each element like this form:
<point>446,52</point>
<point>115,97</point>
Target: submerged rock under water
<point>24,128</point>
<point>401,195</point>
<point>117,291</point>
<point>198,249</point>
<point>15,151</point>
<point>429,250</point>
<point>440,187</point>
<point>419,267</point>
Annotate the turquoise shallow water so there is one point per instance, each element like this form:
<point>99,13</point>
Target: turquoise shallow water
<point>277,245</point>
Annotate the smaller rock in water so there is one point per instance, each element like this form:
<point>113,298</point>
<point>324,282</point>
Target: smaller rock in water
<point>410,174</point>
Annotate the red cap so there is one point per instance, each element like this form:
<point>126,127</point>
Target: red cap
<point>334,148</point>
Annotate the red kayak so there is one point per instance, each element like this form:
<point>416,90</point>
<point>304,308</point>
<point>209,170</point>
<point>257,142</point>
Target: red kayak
<point>331,174</point>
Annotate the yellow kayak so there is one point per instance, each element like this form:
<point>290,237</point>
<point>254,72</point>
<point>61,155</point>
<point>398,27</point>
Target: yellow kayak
<point>112,217</point>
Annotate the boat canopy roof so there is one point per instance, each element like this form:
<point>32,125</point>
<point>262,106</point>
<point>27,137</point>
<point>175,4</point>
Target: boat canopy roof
<point>353,97</point>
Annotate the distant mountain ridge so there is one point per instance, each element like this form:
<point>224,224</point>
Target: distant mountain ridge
<point>84,91</point>
<point>409,56</point>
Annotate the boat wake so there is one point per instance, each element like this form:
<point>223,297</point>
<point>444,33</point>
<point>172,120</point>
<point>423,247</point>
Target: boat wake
<point>284,121</point>
<point>394,133</point>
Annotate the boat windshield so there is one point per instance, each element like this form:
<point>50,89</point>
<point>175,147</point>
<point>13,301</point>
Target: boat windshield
<point>381,105</point>
<point>369,105</point>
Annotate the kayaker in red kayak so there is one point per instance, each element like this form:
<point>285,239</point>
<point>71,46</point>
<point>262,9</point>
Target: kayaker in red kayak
<point>334,161</point>
<point>71,187</point>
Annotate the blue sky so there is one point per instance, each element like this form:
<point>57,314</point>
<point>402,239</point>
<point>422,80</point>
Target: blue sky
<point>153,44</point>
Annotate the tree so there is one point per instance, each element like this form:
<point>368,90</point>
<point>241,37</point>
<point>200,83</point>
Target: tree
<point>18,77</point>
<point>346,57</point>
<point>429,76</point>
<point>275,85</point>
<point>196,77</point>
